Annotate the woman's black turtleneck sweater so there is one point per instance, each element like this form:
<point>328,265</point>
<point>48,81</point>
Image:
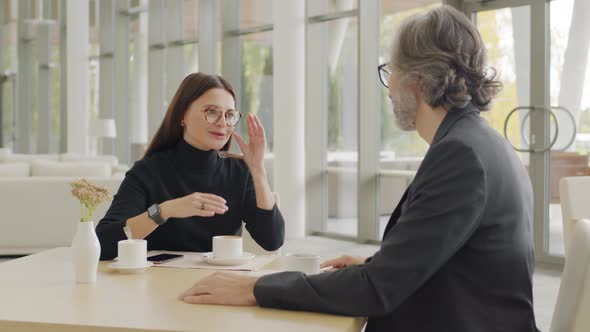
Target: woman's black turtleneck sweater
<point>175,173</point>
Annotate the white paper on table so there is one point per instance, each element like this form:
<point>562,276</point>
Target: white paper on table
<point>194,260</point>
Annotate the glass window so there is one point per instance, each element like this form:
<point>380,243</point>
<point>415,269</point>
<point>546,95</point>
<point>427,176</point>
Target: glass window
<point>502,31</point>
<point>342,156</point>
<point>335,6</point>
<point>256,81</point>
<point>44,80</point>
<point>7,71</point>
<point>256,93</point>
<point>255,13</point>
<point>93,64</point>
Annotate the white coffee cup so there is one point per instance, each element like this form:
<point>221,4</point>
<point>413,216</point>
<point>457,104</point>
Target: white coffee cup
<point>306,263</point>
<point>227,246</point>
<point>132,253</point>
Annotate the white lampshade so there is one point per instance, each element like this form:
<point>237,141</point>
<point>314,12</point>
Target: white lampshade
<point>103,128</point>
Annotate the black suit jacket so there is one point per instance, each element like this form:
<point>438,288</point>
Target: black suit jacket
<point>456,255</point>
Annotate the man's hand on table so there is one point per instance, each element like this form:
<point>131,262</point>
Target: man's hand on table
<point>222,288</point>
<point>343,261</point>
<point>235,289</point>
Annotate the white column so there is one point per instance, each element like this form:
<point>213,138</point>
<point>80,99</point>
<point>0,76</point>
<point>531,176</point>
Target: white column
<point>2,144</point>
<point>175,53</point>
<point>23,143</point>
<point>156,64</point>
<point>63,77</point>
<point>139,121</point>
<point>106,67</point>
<point>316,120</point>
<point>77,75</point>
<point>208,37</point>
<point>44,113</point>
<point>231,47</point>
<point>288,103</point>
<point>574,71</point>
<point>369,122</point>
<point>521,34</point>
<point>121,81</point>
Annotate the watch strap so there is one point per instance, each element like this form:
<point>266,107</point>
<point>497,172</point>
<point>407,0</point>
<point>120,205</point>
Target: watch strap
<point>154,214</point>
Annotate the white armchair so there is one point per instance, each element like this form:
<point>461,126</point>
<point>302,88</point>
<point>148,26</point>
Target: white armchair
<point>574,192</point>
<point>573,300</point>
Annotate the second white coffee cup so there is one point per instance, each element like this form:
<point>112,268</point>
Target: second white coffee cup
<point>306,263</point>
<point>132,253</point>
<point>227,246</point>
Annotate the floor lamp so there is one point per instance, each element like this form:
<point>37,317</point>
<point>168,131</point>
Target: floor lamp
<point>101,128</point>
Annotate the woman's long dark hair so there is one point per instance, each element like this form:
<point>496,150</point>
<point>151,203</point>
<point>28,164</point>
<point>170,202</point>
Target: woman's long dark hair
<point>191,88</point>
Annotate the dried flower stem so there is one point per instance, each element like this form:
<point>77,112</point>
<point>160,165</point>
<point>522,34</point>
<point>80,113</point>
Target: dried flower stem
<point>90,196</point>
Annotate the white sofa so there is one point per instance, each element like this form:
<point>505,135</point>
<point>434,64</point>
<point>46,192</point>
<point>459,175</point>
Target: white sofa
<point>342,190</point>
<point>66,160</point>
<point>39,211</point>
<point>396,176</point>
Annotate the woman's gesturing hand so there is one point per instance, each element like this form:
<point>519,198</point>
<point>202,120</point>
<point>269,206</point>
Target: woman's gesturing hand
<point>195,204</point>
<point>253,150</point>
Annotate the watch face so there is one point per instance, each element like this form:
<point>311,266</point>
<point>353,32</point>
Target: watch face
<point>153,210</point>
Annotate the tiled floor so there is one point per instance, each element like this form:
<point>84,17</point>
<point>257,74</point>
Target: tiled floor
<point>546,282</point>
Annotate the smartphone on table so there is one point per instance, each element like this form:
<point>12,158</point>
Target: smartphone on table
<point>163,258</point>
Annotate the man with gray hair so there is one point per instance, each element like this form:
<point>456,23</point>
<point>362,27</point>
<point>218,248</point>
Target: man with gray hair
<point>457,253</point>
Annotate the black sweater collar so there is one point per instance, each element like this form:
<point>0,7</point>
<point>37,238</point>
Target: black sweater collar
<point>193,158</point>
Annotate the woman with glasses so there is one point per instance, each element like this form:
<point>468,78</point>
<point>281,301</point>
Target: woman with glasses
<point>188,188</point>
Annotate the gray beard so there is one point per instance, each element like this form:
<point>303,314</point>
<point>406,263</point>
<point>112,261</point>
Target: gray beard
<point>405,108</point>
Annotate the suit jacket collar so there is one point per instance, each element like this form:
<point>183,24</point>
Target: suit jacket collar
<point>452,117</point>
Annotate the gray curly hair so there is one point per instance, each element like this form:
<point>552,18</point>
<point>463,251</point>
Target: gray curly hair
<point>443,52</point>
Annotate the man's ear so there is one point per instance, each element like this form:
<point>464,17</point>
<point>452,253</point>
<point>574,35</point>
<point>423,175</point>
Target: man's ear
<point>414,87</point>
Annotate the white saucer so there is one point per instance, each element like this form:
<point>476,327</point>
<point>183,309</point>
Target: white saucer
<point>245,258</point>
<point>125,269</point>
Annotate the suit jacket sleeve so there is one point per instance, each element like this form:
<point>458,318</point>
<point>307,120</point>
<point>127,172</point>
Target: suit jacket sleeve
<point>442,212</point>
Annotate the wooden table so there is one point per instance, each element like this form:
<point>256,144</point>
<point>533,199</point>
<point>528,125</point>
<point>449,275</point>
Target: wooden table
<point>39,293</point>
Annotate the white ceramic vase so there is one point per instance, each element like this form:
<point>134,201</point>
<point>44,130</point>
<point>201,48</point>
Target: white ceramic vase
<point>85,252</point>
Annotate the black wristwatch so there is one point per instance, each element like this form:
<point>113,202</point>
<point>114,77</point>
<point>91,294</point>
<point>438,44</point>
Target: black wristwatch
<point>154,214</point>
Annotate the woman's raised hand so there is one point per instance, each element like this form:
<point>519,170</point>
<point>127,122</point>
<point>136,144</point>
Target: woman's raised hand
<point>253,150</point>
<point>195,204</point>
